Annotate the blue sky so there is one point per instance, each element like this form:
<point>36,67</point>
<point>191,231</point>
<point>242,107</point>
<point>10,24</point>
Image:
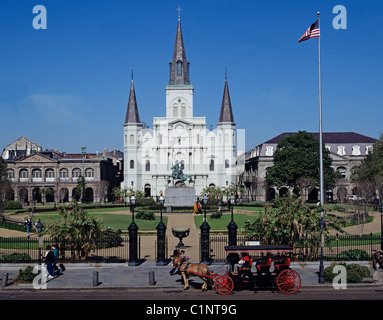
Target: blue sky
<point>68,86</point>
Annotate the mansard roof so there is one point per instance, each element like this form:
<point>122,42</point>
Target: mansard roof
<point>330,137</point>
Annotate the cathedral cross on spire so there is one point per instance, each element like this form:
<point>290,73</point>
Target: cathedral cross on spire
<point>179,12</point>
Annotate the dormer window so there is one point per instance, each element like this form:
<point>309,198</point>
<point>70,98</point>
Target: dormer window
<point>179,68</point>
<point>356,151</point>
<point>269,151</point>
<point>341,151</point>
<point>368,149</point>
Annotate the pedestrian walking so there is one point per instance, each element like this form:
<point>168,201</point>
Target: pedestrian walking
<point>28,225</point>
<point>199,208</point>
<point>219,206</point>
<point>195,208</point>
<point>56,258</point>
<point>49,260</point>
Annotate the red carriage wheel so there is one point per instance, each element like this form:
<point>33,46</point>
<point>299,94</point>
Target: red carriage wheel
<point>224,284</point>
<point>288,281</point>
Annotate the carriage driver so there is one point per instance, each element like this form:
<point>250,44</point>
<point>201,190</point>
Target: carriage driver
<point>245,261</point>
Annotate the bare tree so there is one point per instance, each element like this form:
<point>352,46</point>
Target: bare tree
<point>102,190</point>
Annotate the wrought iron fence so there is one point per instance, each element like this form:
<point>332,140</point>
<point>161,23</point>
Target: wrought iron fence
<point>26,250</point>
<point>338,247</point>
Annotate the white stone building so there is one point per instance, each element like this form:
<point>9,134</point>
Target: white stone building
<point>208,156</point>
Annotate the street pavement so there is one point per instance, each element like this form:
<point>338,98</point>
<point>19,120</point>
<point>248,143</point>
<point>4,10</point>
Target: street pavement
<point>147,274</point>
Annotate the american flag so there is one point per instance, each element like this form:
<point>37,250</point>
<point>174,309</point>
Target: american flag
<point>312,32</point>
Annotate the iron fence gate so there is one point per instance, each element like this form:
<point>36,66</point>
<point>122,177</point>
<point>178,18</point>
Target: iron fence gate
<point>26,250</point>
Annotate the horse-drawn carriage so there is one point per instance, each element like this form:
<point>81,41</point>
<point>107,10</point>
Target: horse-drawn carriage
<point>266,265</point>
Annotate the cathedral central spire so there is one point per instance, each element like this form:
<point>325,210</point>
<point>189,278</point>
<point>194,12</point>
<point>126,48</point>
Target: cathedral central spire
<point>179,66</point>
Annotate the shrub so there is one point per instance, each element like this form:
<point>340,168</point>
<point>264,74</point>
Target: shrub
<point>13,205</point>
<point>355,272</point>
<point>145,215</point>
<point>25,275</point>
<point>216,215</point>
<point>354,254</point>
<point>15,257</point>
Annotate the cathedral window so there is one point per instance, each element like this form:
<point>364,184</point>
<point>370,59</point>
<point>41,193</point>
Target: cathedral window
<point>147,165</point>
<point>227,163</point>
<point>179,68</point>
<point>131,139</point>
<point>211,165</point>
<point>131,164</point>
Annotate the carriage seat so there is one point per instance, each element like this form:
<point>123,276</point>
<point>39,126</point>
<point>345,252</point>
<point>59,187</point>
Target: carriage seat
<point>264,267</point>
<point>280,266</point>
<point>246,268</point>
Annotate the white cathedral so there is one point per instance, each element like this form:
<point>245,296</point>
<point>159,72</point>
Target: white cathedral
<point>208,156</point>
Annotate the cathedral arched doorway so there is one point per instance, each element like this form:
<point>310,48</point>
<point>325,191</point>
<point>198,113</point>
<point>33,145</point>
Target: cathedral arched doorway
<point>147,190</point>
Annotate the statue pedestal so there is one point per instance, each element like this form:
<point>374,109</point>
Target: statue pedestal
<point>179,196</point>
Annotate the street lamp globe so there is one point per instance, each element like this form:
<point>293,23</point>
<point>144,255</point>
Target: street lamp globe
<point>133,200</point>
<point>161,200</point>
<point>205,199</point>
<point>232,199</point>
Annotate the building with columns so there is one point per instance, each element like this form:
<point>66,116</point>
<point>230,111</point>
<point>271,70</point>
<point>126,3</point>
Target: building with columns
<point>347,150</point>
<point>51,176</point>
<point>208,156</point>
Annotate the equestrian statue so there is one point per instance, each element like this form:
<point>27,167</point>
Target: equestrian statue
<point>177,173</point>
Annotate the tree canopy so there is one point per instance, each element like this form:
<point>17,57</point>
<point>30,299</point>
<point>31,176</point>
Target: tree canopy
<point>371,169</point>
<point>297,158</point>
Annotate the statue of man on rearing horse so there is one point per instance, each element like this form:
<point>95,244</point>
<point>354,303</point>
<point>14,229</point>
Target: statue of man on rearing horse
<point>177,173</point>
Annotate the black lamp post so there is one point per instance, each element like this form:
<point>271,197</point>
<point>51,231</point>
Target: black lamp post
<point>322,225</point>
<point>133,236</point>
<point>161,235</point>
<point>205,235</point>
<point>381,226</point>
<point>232,227</point>
<point>39,228</point>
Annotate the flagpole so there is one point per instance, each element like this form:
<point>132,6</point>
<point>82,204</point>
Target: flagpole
<point>320,123</point>
<point>321,222</point>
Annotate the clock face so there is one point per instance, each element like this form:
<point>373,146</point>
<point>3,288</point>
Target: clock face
<point>179,128</point>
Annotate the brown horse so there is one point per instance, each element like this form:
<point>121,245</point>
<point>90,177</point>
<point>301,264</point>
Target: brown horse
<point>192,269</point>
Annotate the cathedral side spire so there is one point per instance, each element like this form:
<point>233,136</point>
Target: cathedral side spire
<point>179,66</point>
<point>226,110</point>
<point>132,115</point>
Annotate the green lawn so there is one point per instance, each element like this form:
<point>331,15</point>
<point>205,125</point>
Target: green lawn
<point>221,223</point>
<point>116,221</point>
